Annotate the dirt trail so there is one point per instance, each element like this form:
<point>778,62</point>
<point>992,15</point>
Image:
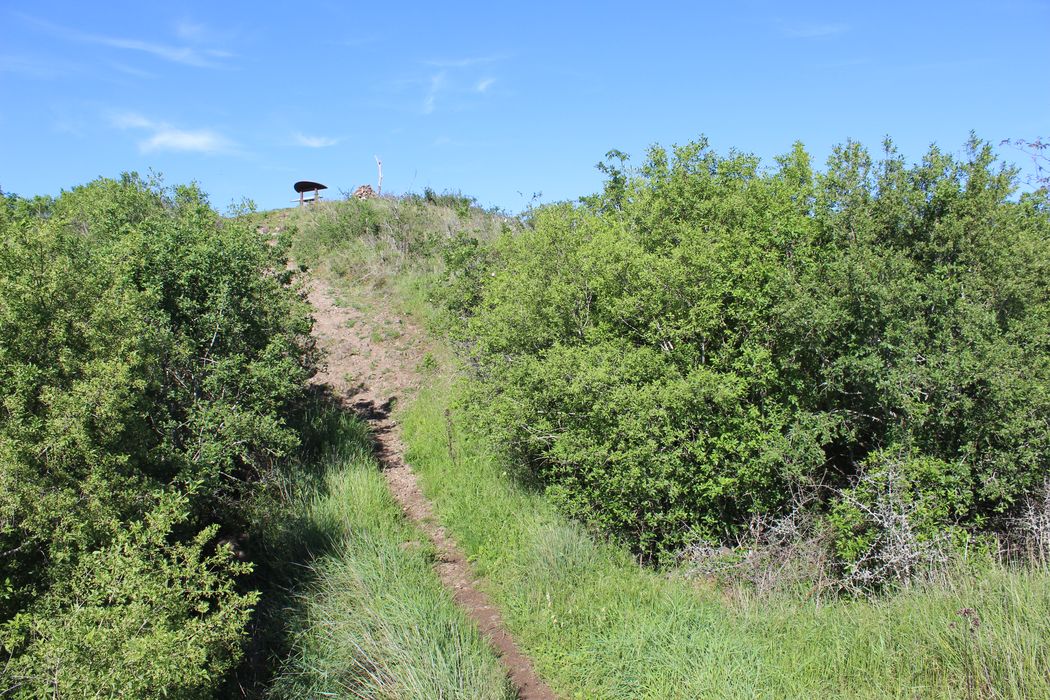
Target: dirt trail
<point>372,362</point>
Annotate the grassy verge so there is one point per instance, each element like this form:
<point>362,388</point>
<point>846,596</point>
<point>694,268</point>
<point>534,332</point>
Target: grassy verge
<point>367,616</point>
<point>599,626</point>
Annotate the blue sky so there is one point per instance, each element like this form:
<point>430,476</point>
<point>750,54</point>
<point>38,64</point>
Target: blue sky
<point>497,100</point>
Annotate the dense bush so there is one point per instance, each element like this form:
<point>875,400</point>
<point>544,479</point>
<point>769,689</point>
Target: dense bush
<point>150,357</point>
<point>707,339</point>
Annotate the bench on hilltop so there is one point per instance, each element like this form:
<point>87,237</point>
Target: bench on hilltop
<point>304,186</point>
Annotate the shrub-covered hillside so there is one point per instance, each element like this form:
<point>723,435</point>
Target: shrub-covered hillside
<point>151,355</point>
<point>708,341</point>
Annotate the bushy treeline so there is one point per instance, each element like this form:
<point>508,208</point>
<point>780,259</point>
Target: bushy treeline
<point>707,341</point>
<point>151,355</point>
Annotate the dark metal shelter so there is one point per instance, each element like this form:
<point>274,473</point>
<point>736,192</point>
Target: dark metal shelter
<point>304,186</point>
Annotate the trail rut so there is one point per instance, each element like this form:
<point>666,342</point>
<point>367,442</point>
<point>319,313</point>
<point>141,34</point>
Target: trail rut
<point>373,357</point>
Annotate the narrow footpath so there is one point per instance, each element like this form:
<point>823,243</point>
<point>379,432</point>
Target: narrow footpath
<point>373,358</point>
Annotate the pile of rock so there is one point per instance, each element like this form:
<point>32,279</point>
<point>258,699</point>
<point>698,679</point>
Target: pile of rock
<point>365,192</point>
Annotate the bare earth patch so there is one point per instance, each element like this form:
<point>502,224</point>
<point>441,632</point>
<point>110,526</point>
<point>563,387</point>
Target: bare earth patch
<point>373,356</point>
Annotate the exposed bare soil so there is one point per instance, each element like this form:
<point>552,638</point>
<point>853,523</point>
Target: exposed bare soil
<point>373,360</point>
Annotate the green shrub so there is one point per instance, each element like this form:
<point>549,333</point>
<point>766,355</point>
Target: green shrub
<point>466,262</point>
<point>140,617</point>
<point>149,352</point>
<point>706,338</point>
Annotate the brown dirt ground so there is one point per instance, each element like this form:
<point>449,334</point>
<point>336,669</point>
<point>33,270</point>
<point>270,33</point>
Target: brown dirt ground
<point>372,360</point>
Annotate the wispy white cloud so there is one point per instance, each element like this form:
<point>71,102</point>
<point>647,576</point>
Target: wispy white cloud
<point>172,139</point>
<point>314,141</point>
<point>191,31</point>
<point>163,136</point>
<point>196,56</point>
<point>32,67</point>
<point>358,41</point>
<point>186,55</point>
<point>203,35</point>
<point>463,62</point>
<point>437,84</point>
<point>131,70</point>
<point>131,120</point>
<point>812,30</point>
<point>447,85</point>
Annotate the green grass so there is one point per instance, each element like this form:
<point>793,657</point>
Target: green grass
<point>372,620</point>
<point>600,626</point>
